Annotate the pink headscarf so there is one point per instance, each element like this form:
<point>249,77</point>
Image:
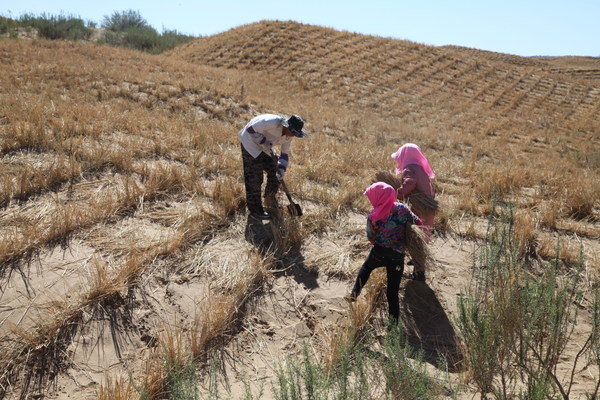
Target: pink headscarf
<point>382,196</point>
<point>411,154</point>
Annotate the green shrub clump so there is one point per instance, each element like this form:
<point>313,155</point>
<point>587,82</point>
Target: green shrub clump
<point>124,29</point>
<point>57,27</point>
<point>129,29</point>
<point>7,25</point>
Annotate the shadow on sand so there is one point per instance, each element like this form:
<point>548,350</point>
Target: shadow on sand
<point>269,238</point>
<point>429,328</point>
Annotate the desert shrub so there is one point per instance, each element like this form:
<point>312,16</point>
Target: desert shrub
<point>516,324</point>
<point>57,27</point>
<point>396,372</point>
<point>146,39</point>
<point>170,39</point>
<point>124,20</point>
<point>141,38</point>
<point>7,25</point>
<point>129,29</point>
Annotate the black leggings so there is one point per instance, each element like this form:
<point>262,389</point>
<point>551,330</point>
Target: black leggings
<point>394,263</point>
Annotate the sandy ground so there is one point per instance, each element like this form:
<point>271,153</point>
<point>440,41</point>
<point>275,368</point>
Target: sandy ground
<point>286,312</point>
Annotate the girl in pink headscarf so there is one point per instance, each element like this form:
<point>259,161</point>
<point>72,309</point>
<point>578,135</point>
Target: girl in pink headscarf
<point>416,181</point>
<point>386,230</point>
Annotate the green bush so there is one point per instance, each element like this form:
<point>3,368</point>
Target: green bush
<point>57,27</point>
<point>128,29</point>
<point>142,38</point>
<point>516,323</point>
<point>124,20</point>
<point>397,372</point>
<point>170,39</point>
<point>125,29</point>
<point>146,39</point>
<point>7,25</point>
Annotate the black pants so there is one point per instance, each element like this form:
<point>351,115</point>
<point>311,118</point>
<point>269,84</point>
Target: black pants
<point>253,178</point>
<point>394,263</point>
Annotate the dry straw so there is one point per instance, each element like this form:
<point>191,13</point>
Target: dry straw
<point>418,202</point>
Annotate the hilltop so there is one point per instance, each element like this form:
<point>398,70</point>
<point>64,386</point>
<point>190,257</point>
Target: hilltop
<point>379,72</point>
<point>125,249</point>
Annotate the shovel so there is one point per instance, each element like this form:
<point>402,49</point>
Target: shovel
<point>293,208</point>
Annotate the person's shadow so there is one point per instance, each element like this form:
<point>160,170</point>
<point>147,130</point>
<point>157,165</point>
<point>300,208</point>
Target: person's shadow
<point>429,328</point>
<point>259,235</point>
<point>267,237</point>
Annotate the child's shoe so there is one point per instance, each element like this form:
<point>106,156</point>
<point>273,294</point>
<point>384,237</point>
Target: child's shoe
<point>350,298</point>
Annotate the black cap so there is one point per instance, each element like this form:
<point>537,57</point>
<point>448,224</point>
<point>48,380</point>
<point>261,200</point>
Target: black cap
<point>295,125</point>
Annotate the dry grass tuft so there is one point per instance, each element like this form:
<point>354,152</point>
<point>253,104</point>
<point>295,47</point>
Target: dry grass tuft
<point>288,233</point>
<point>525,231</point>
<point>228,195</point>
<point>118,389</point>
<point>334,340</point>
<point>217,311</point>
<point>580,199</point>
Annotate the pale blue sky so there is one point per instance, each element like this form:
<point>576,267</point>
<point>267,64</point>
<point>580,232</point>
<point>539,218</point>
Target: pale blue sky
<point>522,27</point>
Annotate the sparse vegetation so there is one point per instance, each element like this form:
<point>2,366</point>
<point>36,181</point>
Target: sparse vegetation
<point>122,210</point>
<point>129,29</point>
<point>397,371</point>
<point>121,21</point>
<point>125,29</point>
<point>516,322</point>
<point>54,27</point>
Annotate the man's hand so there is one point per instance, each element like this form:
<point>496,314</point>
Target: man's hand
<point>266,146</point>
<point>282,164</point>
<point>280,173</point>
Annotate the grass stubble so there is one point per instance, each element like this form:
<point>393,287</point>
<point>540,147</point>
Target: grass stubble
<point>168,133</point>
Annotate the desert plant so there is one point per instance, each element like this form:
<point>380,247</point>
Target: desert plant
<point>404,369</point>
<point>396,372</point>
<point>179,363</point>
<point>228,196</point>
<point>7,25</point>
<point>117,389</point>
<point>57,26</point>
<point>171,38</point>
<point>120,21</point>
<point>511,317</point>
<point>129,29</point>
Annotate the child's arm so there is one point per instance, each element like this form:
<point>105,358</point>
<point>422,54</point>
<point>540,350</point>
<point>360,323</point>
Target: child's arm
<point>371,231</point>
<point>412,217</point>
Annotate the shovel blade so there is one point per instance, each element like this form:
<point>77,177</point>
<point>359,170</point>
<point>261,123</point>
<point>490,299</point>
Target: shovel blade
<point>295,210</point>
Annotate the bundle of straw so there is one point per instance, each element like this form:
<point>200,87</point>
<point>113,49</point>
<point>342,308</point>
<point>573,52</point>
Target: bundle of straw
<point>393,180</point>
<point>418,249</point>
<point>418,202</point>
<point>422,204</point>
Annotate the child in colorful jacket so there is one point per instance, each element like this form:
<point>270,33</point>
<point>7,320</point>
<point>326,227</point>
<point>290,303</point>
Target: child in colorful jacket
<point>386,230</point>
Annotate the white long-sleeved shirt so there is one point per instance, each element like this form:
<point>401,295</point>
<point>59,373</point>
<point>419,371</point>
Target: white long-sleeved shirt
<point>262,133</point>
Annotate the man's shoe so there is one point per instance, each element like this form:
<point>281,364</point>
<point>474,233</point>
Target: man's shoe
<point>418,276</point>
<point>260,215</point>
